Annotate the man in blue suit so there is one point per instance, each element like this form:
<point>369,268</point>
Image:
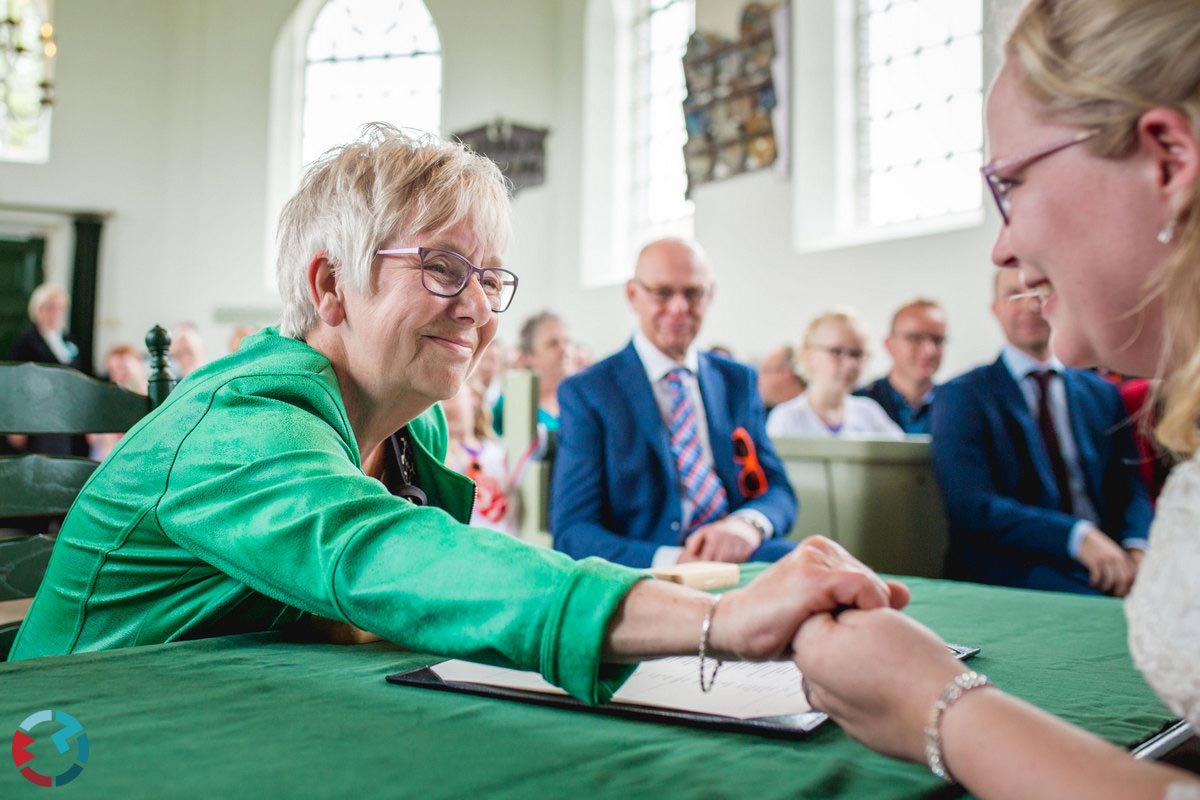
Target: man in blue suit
<point>1037,466</point>
<point>662,452</point>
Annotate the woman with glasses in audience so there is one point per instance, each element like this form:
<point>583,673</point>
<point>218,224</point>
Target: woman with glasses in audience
<point>1093,124</point>
<point>832,354</point>
<point>303,475</point>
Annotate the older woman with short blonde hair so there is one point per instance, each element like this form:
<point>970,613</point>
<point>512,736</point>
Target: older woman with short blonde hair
<point>304,475</point>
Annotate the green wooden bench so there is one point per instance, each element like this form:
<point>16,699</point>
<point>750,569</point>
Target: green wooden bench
<point>877,498</point>
<point>36,491</point>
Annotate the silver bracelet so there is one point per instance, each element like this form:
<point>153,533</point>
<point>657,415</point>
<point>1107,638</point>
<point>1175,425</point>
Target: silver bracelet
<point>955,689</point>
<point>705,627</point>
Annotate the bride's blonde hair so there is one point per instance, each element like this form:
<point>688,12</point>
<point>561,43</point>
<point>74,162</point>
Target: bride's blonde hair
<point>1101,64</point>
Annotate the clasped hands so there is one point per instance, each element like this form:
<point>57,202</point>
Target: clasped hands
<point>1111,568</point>
<point>758,622</point>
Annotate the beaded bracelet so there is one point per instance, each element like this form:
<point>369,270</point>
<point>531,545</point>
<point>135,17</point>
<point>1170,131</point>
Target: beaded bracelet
<point>955,689</point>
<point>705,627</point>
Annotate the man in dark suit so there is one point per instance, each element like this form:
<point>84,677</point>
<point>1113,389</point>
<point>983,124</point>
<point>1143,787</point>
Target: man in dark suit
<point>1037,466</point>
<point>915,342</point>
<point>662,452</point>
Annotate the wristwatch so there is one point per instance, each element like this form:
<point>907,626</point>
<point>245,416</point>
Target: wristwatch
<point>757,524</point>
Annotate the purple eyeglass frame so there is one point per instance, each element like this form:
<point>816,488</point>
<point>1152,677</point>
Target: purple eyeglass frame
<point>507,277</point>
<point>1000,187</point>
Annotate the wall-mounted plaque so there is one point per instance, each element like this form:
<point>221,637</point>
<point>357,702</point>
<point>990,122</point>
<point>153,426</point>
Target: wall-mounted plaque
<point>519,150</point>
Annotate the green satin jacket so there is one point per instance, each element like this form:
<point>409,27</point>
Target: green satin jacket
<point>240,505</point>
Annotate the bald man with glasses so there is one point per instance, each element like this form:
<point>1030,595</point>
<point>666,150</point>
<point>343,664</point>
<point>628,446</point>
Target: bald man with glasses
<point>662,454</point>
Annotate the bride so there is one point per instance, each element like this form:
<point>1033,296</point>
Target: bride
<point>1094,125</point>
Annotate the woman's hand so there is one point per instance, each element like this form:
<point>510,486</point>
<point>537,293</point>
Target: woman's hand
<point>877,673</point>
<point>759,621</point>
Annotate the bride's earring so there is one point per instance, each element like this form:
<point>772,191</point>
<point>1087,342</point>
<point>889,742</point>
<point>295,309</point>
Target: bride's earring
<point>1167,233</point>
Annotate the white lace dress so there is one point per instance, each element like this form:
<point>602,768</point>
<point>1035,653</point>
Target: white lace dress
<point>1163,609</point>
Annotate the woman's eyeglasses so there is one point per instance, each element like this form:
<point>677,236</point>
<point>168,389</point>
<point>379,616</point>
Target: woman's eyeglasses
<point>445,273</point>
<point>752,481</point>
<point>852,353</point>
<point>1001,188</point>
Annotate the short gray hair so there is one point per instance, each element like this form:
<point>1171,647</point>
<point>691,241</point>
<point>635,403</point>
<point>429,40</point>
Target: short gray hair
<point>530,327</point>
<point>359,195</point>
<point>43,293</point>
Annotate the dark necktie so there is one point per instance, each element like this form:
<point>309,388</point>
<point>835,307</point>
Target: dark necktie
<point>1050,437</point>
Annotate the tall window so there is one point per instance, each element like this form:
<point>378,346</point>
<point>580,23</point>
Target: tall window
<point>658,181</point>
<point>920,93</point>
<point>368,61</point>
<point>27,51</point>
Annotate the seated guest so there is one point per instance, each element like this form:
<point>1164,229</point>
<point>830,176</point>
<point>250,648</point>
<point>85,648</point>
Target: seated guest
<point>662,455</point>
<point>45,342</point>
<point>474,451</point>
<point>490,372</point>
<point>126,367</point>
<point>238,333</point>
<point>1037,466</point>
<point>915,342</point>
<point>778,378</point>
<point>188,350</point>
<point>834,349</point>
<point>544,348</point>
<point>303,474</point>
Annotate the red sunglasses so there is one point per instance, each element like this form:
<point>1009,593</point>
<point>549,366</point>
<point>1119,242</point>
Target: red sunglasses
<point>752,481</point>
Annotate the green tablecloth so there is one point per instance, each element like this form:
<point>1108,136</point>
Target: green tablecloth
<point>261,716</point>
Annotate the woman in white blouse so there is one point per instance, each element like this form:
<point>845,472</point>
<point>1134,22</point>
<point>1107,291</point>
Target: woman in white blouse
<point>1094,130</point>
<point>833,354</point>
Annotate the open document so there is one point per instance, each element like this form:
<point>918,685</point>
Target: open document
<point>758,697</point>
<point>763,698</point>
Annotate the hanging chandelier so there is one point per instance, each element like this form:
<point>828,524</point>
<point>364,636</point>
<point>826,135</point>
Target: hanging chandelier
<point>27,52</point>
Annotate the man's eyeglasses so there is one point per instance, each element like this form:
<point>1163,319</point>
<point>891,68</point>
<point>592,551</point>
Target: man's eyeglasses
<point>446,273</point>
<point>841,352</point>
<point>1001,188</point>
<point>752,481</point>
<point>662,295</point>
<point>918,339</point>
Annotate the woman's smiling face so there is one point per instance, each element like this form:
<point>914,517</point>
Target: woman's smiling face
<point>1083,231</point>
<point>410,342</point>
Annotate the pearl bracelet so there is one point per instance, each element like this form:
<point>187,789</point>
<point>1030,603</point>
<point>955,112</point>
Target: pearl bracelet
<point>955,689</point>
<point>705,627</point>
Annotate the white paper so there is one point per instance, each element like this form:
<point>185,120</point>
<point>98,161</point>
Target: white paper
<point>743,690</point>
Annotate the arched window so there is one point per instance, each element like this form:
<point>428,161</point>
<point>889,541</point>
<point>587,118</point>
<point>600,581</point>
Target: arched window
<point>890,139</point>
<point>337,65</point>
<point>660,31</point>
<point>368,61</point>
<point>27,51</point>
<point>634,183</point>
<point>920,137</point>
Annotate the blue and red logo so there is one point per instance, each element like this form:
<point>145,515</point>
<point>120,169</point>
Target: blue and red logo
<point>70,741</point>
